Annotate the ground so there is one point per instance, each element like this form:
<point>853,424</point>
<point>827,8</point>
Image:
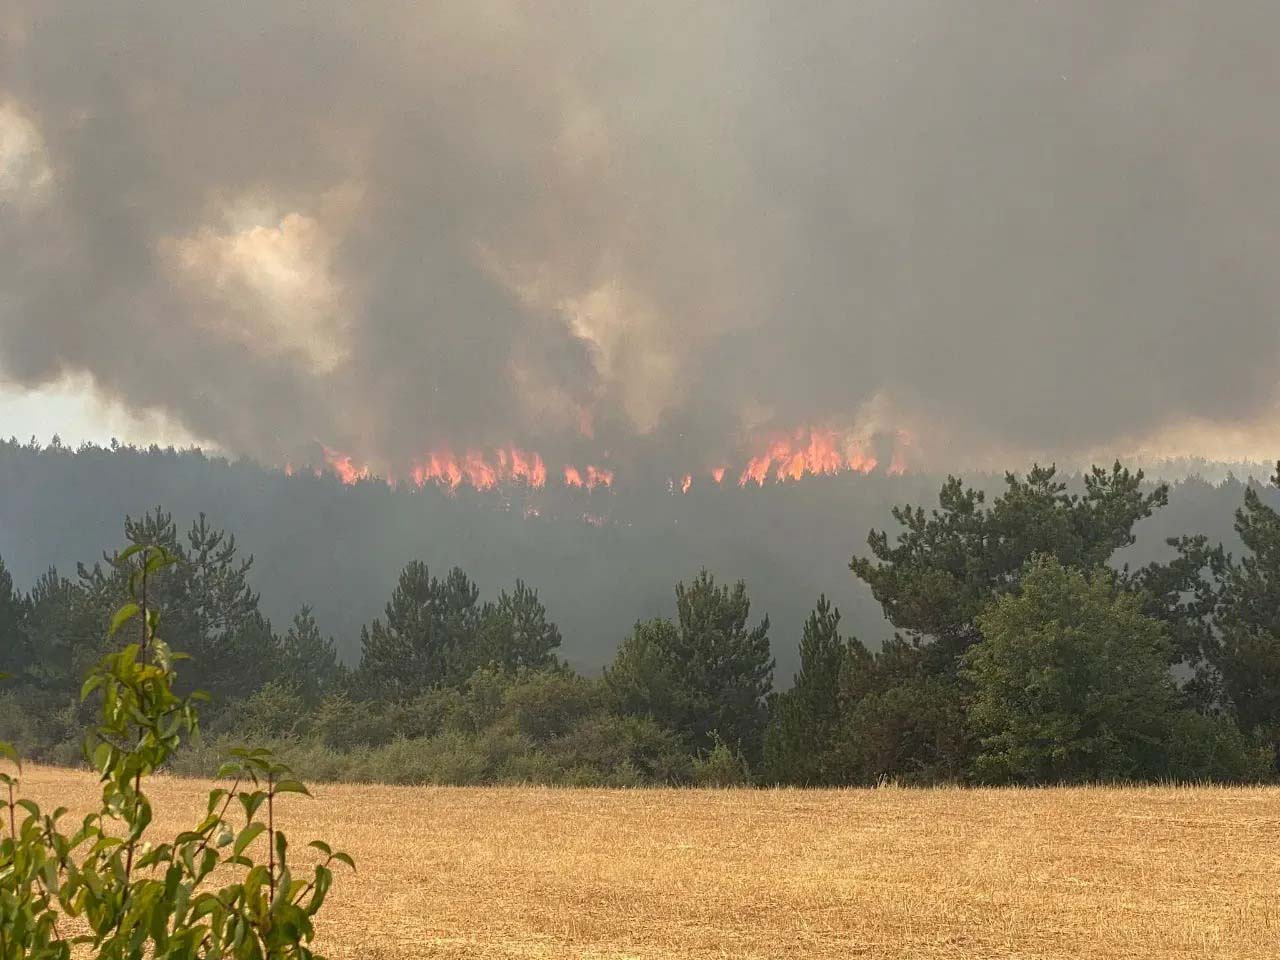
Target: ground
<point>559,873</point>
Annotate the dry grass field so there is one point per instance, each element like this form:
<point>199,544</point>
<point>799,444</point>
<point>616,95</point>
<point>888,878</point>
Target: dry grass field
<point>531,872</point>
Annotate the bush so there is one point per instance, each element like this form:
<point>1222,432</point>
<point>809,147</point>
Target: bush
<point>274,710</point>
<point>720,767</point>
<point>1204,748</point>
<point>547,704</point>
<point>634,749</point>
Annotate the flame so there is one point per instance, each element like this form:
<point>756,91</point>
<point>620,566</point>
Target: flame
<point>898,463</point>
<point>481,471</point>
<point>589,479</point>
<point>823,453</point>
<point>288,469</point>
<point>809,452</point>
<point>341,464</point>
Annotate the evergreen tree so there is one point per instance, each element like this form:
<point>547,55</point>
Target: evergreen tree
<point>718,669</point>
<point>805,720</point>
<point>408,652</point>
<point>515,632</point>
<point>1247,648</point>
<point>949,563</point>
<point>642,679</point>
<point>60,641</point>
<point>308,661</point>
<point>14,651</point>
<point>209,608</point>
<point>430,635</point>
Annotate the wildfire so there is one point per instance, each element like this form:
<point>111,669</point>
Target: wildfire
<point>347,471</point>
<point>824,453</point>
<point>589,479</point>
<point>808,452</point>
<point>480,470</point>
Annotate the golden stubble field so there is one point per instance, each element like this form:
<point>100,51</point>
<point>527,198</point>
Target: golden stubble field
<point>534,872</point>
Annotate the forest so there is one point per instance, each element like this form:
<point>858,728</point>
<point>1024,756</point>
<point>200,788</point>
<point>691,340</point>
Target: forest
<point>1022,650</point>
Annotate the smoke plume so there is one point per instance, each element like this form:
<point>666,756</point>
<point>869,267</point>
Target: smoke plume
<point>669,234</point>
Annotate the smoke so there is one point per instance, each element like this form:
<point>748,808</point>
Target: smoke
<point>661,232</point>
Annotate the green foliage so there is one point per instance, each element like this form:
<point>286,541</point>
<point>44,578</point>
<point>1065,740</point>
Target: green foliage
<point>642,679</point>
<point>947,564</point>
<point>515,632</point>
<point>437,633</point>
<point>707,675</point>
<point>800,743</point>
<point>14,650</point>
<point>1247,652</point>
<point>210,610</point>
<point>308,661</point>
<point>720,766</point>
<point>274,710</point>
<point>200,894</point>
<point>908,729</point>
<point>1071,683</point>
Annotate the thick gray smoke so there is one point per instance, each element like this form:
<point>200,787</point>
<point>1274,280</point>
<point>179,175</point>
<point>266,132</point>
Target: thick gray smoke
<point>661,230</point>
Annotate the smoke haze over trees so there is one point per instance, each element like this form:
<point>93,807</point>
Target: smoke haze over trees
<point>655,237</point>
<point>600,561</point>
<point>1029,645</point>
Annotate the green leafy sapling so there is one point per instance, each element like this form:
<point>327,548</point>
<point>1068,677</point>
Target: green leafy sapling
<point>108,887</point>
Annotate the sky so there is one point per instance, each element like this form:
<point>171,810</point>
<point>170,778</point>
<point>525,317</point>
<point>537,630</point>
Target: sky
<point>658,239</point>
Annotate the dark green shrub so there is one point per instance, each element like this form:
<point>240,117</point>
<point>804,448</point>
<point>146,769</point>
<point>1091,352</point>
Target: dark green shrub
<point>720,766</point>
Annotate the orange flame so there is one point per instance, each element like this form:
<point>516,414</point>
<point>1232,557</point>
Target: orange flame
<point>823,454</point>
<point>347,471</point>
<point>808,452</point>
<point>505,465</point>
<point>898,464</point>
<point>589,479</point>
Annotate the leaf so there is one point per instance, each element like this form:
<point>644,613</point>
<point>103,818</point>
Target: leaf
<point>247,836</point>
<point>122,616</point>
<point>9,753</point>
<point>292,786</point>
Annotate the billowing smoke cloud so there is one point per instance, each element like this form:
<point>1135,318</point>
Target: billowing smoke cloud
<point>661,231</point>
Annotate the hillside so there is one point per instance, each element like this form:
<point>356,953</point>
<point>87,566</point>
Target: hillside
<point>600,559</point>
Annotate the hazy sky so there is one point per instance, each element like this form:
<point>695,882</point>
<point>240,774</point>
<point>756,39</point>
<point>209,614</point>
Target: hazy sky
<point>642,234</point>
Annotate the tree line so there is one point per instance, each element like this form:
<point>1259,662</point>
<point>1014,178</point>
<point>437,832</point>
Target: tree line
<point>1022,653</point>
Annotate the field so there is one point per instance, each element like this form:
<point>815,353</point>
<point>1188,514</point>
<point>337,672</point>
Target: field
<point>532,872</point>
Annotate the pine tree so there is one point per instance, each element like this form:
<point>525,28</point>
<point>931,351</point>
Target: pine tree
<point>517,633</point>
<point>205,597</point>
<point>805,721</point>
<point>308,661</point>
<point>1247,651</point>
<point>429,637</point>
<point>14,651</point>
<point>724,669</point>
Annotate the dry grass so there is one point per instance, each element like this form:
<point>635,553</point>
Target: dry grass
<point>531,872</point>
